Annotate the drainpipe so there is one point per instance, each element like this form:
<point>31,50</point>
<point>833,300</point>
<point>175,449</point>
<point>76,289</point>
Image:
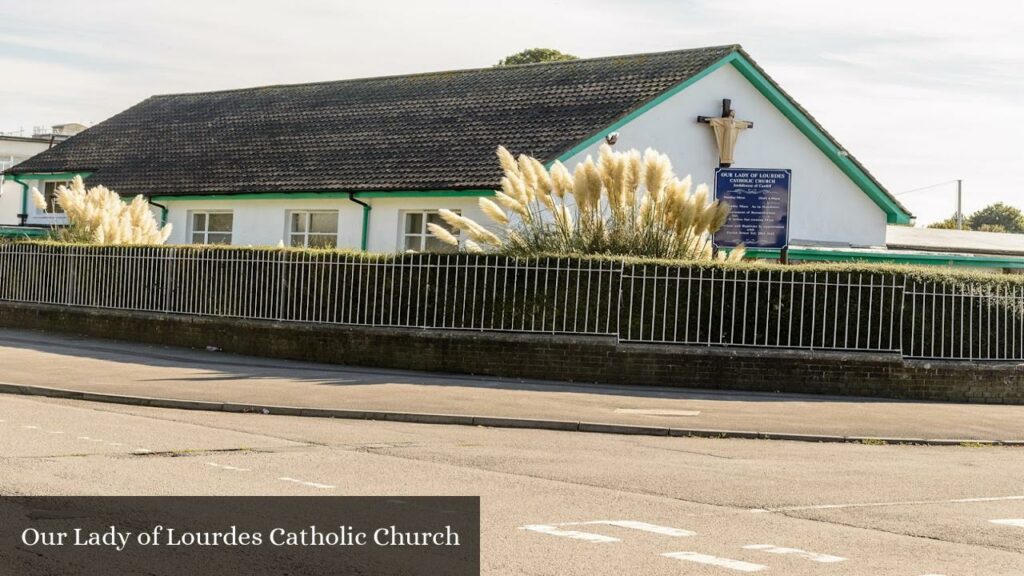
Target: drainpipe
<point>23,217</point>
<point>163,212</point>
<point>366,218</point>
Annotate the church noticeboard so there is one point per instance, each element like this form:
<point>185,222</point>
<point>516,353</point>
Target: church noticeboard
<point>759,201</point>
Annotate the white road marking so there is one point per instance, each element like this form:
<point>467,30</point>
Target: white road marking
<point>1018,522</point>
<point>142,450</point>
<point>31,427</point>
<point>115,443</point>
<point>310,484</point>
<point>738,565</point>
<point>227,467</point>
<point>634,525</point>
<point>813,556</point>
<point>879,504</point>
<point>54,432</point>
<point>657,412</point>
<point>574,534</point>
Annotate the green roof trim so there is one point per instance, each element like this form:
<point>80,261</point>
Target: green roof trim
<point>894,212</point>
<point>889,257</point>
<point>49,176</point>
<point>593,139</point>
<point>329,194</point>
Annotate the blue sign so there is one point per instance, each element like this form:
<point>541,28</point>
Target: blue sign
<point>759,207</point>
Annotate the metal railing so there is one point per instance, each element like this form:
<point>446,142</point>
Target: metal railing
<point>696,305</point>
<point>964,322</point>
<point>769,308</point>
<point>456,291</point>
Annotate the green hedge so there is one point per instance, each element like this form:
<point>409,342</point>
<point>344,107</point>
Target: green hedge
<point>928,312</point>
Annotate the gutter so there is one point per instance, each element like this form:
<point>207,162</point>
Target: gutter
<point>366,219</point>
<point>163,212</point>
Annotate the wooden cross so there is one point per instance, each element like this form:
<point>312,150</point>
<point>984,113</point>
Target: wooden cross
<point>727,129</point>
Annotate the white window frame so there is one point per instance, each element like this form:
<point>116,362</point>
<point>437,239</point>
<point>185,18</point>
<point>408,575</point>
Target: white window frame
<point>308,216</point>
<point>206,231</point>
<point>423,234</point>
<point>37,216</point>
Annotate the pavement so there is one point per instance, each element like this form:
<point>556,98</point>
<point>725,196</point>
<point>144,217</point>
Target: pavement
<point>39,359</point>
<point>558,504</point>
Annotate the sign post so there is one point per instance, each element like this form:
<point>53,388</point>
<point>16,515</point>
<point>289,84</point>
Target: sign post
<point>759,207</point>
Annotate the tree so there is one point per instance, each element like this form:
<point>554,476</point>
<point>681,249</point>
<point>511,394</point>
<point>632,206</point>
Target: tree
<point>997,217</point>
<point>535,55</point>
<point>625,204</point>
<point>98,216</point>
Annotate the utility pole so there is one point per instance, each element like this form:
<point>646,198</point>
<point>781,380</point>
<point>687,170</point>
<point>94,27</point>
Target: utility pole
<point>959,204</point>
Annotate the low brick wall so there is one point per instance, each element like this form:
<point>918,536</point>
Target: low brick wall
<point>542,356</point>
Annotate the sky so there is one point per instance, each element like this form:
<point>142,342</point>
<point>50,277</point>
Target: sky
<point>922,92</point>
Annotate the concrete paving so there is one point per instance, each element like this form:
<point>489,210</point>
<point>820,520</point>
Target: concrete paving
<point>37,359</point>
<point>644,505</point>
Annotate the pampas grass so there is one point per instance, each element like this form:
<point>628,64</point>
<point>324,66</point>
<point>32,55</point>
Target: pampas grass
<point>98,216</point>
<point>626,203</point>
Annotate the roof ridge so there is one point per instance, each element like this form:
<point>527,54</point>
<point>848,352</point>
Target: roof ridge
<point>729,47</point>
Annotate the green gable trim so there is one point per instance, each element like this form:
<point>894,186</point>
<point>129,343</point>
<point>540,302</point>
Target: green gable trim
<point>893,212</point>
<point>642,109</point>
<point>920,259</point>
<point>316,195</point>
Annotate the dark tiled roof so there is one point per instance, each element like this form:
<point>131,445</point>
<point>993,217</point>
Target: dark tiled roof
<point>418,132</point>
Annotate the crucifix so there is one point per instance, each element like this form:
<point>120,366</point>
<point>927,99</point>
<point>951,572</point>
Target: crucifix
<point>727,130</point>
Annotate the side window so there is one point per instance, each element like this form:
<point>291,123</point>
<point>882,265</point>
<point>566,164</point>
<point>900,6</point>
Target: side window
<point>417,238</point>
<point>313,229</point>
<point>212,227</point>
<point>50,193</point>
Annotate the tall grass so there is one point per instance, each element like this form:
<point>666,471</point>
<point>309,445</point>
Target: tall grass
<point>624,204</point>
<point>99,216</point>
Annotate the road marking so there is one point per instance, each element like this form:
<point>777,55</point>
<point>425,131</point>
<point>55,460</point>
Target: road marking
<point>1018,522</point>
<point>227,467</point>
<point>574,534</point>
<point>304,483</point>
<point>115,443</point>
<point>634,525</point>
<point>813,556</point>
<point>54,432</point>
<point>880,504</point>
<point>738,565</point>
<point>141,450</point>
<point>31,427</point>
<point>657,412</point>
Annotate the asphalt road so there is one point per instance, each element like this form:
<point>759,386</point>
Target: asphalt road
<point>564,503</point>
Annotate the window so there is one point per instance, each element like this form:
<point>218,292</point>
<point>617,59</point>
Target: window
<point>313,229</point>
<point>50,193</point>
<point>212,227</point>
<point>417,238</point>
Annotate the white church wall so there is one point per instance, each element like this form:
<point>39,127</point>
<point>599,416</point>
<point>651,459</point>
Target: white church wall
<point>264,222</point>
<point>825,206</point>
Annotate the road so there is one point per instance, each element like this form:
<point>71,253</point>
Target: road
<point>558,503</point>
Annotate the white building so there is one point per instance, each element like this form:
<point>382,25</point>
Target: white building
<point>365,164</point>
<point>15,209</point>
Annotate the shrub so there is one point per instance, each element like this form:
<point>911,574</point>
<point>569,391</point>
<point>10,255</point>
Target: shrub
<point>98,216</point>
<point>624,204</point>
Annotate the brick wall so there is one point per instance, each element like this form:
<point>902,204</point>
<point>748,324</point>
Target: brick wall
<point>541,356</point>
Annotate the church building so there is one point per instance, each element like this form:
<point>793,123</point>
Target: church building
<point>366,164</point>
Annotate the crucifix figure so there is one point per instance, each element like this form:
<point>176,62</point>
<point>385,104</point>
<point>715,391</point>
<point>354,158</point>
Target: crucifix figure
<point>727,130</point>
